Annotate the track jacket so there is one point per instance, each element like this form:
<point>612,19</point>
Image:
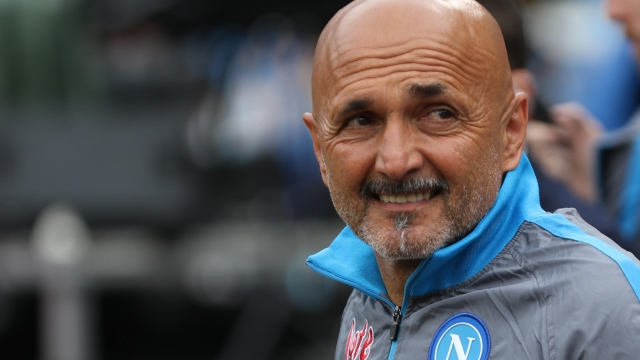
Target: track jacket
<point>524,284</point>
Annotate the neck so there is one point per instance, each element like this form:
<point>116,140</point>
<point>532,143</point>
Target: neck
<point>395,274</point>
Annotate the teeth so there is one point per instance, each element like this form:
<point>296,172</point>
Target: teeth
<point>402,199</point>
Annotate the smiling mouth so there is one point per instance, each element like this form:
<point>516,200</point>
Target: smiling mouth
<point>405,198</point>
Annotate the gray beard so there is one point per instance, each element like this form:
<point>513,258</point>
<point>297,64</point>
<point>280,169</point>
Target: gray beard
<point>408,245</point>
<point>458,220</point>
<point>403,220</point>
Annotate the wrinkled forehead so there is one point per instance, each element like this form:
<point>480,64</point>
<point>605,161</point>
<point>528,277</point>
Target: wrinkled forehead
<point>450,38</point>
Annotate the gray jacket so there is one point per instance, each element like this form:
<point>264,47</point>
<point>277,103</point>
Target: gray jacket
<point>524,284</point>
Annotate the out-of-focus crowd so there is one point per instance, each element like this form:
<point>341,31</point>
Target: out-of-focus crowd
<point>579,160</point>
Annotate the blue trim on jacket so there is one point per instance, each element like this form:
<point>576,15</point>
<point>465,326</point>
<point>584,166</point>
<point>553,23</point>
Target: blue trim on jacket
<point>559,226</point>
<point>351,261</point>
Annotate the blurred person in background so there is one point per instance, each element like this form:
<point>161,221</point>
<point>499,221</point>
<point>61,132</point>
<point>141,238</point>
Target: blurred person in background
<point>627,12</point>
<point>419,136</point>
<point>540,128</point>
<point>597,165</point>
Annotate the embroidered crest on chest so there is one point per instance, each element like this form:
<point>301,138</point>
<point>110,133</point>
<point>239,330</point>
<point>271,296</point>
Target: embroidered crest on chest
<point>462,337</point>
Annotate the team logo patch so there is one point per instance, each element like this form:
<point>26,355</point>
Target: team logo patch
<point>359,342</point>
<point>462,337</point>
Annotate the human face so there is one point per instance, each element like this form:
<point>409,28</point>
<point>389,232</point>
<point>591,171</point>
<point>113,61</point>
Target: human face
<point>409,128</point>
<point>443,172</point>
<point>627,12</point>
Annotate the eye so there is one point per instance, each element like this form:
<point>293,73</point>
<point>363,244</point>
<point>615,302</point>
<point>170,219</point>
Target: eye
<point>358,121</point>
<point>441,114</point>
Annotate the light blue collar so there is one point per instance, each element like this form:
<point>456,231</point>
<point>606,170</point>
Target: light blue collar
<point>351,261</point>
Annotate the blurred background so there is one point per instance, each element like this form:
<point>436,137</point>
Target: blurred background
<point>158,189</point>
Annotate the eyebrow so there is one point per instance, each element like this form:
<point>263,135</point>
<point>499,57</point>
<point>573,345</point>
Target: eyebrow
<point>426,91</point>
<point>355,105</point>
<point>420,91</point>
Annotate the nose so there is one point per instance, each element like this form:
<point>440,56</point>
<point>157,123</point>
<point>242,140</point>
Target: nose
<point>398,152</point>
<point>616,10</point>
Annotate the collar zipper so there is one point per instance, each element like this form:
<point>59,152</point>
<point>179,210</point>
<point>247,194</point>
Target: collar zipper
<point>395,323</point>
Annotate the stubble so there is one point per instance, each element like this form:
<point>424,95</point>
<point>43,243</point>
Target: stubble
<point>406,240</point>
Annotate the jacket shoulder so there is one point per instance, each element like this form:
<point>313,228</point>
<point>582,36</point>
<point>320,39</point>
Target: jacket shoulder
<point>593,286</point>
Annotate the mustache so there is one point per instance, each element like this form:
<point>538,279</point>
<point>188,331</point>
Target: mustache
<point>374,187</point>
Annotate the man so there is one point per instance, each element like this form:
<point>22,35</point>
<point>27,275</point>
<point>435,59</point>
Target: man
<point>619,153</point>
<point>628,13</point>
<point>419,137</point>
<point>618,156</point>
<point>610,162</point>
<point>542,147</point>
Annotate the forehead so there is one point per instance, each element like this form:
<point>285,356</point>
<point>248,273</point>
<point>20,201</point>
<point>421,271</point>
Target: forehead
<point>387,45</point>
<point>404,65</point>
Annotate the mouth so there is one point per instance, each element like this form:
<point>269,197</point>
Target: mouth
<point>412,191</point>
<point>406,198</point>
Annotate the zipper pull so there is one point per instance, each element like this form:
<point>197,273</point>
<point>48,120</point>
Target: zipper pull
<point>395,323</point>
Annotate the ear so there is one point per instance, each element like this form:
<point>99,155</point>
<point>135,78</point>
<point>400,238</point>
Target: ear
<point>312,125</point>
<point>514,132</point>
<point>524,81</point>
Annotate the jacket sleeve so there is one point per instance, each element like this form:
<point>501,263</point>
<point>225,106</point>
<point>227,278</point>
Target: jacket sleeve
<point>597,319</point>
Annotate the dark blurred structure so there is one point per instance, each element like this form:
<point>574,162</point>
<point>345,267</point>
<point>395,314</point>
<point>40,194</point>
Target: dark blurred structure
<point>158,190</point>
<point>156,112</point>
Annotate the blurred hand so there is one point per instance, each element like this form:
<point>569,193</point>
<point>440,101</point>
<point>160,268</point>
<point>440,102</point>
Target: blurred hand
<point>570,149</point>
<point>546,146</point>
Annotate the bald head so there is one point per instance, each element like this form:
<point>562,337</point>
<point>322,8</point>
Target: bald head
<point>414,120</point>
<point>425,31</point>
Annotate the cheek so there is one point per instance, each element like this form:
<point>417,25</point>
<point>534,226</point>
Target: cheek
<point>462,160</point>
<point>453,158</point>
<point>349,164</point>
